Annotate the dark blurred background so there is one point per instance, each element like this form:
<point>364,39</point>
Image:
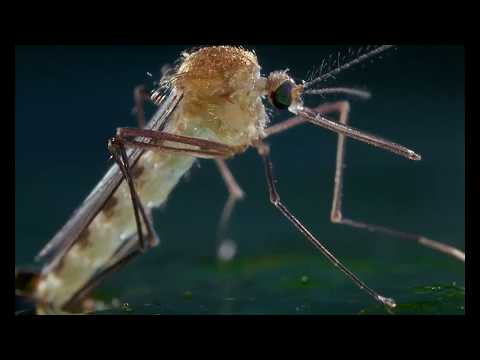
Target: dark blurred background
<point>70,99</point>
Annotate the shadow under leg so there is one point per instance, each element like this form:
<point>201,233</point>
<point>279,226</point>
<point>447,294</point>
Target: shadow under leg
<point>227,248</point>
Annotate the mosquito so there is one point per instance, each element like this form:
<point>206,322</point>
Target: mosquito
<point>211,105</point>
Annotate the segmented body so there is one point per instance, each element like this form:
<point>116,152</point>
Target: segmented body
<point>222,101</point>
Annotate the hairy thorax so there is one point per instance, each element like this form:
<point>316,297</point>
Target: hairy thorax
<point>222,96</point>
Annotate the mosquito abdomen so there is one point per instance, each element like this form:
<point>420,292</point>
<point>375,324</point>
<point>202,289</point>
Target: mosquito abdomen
<point>112,226</point>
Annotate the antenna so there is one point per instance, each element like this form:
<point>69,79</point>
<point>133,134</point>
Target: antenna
<point>349,64</point>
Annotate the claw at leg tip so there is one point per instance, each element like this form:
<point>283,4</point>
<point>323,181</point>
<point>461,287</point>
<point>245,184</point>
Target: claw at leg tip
<point>415,156</point>
<point>388,302</point>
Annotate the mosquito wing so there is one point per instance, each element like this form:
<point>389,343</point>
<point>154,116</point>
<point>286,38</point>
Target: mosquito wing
<point>81,218</point>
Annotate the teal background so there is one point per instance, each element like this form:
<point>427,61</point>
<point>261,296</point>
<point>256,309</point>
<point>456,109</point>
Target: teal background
<point>70,99</point>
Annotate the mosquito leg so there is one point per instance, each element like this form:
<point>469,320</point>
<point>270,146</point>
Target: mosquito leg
<point>117,145</point>
<point>167,142</point>
<point>118,152</point>
<point>263,150</point>
<point>336,215</point>
<point>227,247</point>
<point>75,302</point>
<point>140,97</point>
<point>343,108</point>
<point>121,257</point>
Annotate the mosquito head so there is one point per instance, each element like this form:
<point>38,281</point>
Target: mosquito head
<point>282,91</point>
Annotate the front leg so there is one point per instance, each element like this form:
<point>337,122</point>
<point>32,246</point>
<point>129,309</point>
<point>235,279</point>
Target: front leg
<point>343,108</point>
<point>117,150</point>
<point>157,141</point>
<point>264,152</point>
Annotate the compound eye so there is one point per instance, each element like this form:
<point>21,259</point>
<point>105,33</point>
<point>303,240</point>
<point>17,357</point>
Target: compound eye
<point>282,97</point>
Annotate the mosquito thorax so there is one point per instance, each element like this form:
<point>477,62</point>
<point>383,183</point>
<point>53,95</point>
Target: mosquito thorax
<point>222,95</point>
<point>282,91</point>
